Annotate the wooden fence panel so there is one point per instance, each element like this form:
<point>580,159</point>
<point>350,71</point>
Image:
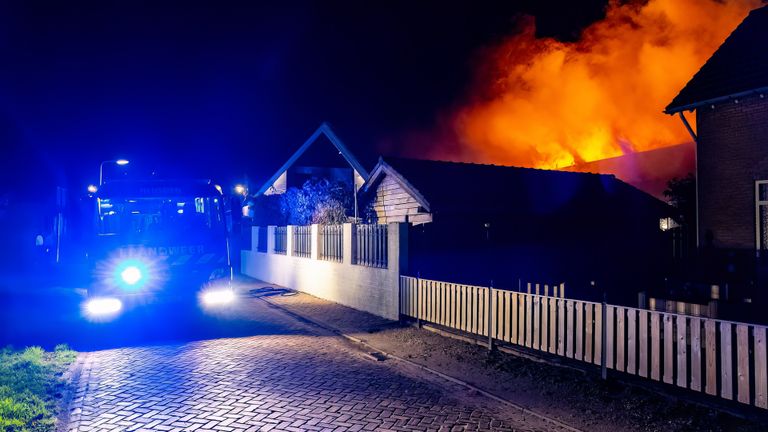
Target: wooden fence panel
<point>483,296</point>
<point>742,363</point>
<point>682,351</point>
<point>761,368</point>
<point>669,349</point>
<point>553,324</point>
<point>631,341</point>
<point>695,326</point>
<point>508,316</point>
<point>726,361</point>
<point>621,339</point>
<point>643,344</point>
<point>528,318</point>
<point>536,319</point>
<point>655,347</point>
<point>569,328</point>
<point>588,328</point>
<point>545,321</point>
<point>579,329</point>
<point>610,341</point>
<point>597,358</point>
<point>710,339</point>
<point>514,316</point>
<point>561,335</point>
<point>521,319</point>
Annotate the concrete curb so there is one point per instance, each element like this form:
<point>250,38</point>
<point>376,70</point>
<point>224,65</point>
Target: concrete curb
<point>454,380</point>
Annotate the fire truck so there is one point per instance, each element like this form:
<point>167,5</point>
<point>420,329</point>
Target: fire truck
<point>158,240</point>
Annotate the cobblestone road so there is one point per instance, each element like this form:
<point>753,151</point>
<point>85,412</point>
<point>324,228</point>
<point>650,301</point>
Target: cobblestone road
<point>294,378</point>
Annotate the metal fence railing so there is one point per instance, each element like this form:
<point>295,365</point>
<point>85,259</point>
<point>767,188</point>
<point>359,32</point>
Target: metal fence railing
<point>331,242</point>
<point>302,241</point>
<point>716,357</point>
<point>370,245</point>
<point>261,243</point>
<point>281,240</point>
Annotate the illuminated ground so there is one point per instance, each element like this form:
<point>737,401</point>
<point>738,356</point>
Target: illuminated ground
<point>248,368</point>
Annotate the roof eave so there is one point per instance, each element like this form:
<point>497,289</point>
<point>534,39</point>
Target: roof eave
<point>692,106</point>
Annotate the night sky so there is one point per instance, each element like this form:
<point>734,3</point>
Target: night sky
<point>228,89</point>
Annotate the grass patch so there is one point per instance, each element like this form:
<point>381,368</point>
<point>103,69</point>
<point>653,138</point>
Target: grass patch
<point>30,384</point>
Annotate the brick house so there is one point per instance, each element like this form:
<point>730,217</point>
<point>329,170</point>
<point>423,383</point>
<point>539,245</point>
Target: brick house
<point>728,97</point>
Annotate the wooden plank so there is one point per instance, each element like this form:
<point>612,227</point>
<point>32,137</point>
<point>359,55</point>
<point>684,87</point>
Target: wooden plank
<point>579,329</point>
<point>643,344</point>
<point>742,363</point>
<point>464,304</point>
<point>621,339</point>
<point>631,341</point>
<point>669,349</point>
<point>521,319</point>
<point>513,317</point>
<point>598,355</point>
<point>682,351</point>
<point>528,319</point>
<point>588,336</point>
<point>655,346</point>
<point>695,326</point>
<point>552,325</point>
<point>536,319</point>
<point>726,361</point>
<point>710,339</point>
<point>569,328</point>
<point>761,368</point>
<point>610,316</point>
<point>507,316</point>
<point>544,322</point>
<point>560,327</point>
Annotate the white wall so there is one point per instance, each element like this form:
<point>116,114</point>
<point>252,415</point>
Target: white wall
<point>374,290</point>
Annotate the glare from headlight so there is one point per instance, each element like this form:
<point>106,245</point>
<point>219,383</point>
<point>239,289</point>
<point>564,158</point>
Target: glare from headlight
<point>103,306</point>
<point>131,275</point>
<point>218,297</point>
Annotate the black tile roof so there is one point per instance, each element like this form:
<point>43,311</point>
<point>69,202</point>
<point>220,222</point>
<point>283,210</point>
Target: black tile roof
<point>738,67</point>
<point>464,188</point>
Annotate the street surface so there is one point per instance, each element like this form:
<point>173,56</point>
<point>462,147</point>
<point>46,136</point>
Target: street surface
<point>248,368</point>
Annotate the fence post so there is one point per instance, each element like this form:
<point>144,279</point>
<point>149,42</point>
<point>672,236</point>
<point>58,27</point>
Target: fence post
<point>289,240</point>
<point>489,312</point>
<point>418,299</point>
<point>348,243</point>
<point>314,242</point>
<point>271,239</point>
<point>255,238</point>
<point>604,338</point>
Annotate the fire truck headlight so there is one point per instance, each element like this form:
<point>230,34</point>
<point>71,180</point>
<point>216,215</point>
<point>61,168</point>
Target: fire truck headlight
<point>103,306</point>
<point>131,275</point>
<point>218,297</point>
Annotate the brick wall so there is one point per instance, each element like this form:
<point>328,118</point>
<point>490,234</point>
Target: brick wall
<point>373,290</point>
<point>732,154</point>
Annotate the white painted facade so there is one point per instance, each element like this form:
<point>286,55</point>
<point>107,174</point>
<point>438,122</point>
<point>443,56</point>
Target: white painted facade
<point>373,290</point>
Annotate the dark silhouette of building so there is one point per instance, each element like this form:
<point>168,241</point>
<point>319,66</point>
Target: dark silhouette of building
<point>476,223</point>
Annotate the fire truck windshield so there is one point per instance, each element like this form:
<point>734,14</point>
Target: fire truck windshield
<point>149,218</point>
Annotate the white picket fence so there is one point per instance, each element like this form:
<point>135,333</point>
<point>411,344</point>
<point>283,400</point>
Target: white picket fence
<point>720,358</point>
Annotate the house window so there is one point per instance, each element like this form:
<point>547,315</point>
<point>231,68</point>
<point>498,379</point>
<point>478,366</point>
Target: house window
<point>761,215</point>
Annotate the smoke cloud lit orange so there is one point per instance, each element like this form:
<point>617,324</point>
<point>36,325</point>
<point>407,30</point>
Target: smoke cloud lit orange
<point>548,104</point>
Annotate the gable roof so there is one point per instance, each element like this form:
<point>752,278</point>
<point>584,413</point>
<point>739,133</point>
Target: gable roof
<point>324,129</point>
<point>455,187</point>
<point>738,68</point>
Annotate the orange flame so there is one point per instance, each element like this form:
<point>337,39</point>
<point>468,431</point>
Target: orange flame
<point>550,104</point>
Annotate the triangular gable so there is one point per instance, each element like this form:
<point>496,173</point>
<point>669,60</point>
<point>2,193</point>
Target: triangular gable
<point>382,168</point>
<point>326,130</point>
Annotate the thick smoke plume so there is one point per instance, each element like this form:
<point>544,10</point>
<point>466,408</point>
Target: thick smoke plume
<point>549,104</point>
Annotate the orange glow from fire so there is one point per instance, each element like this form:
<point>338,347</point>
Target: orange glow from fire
<point>549,104</point>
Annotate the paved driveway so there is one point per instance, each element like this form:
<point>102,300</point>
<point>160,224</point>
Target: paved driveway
<point>292,377</point>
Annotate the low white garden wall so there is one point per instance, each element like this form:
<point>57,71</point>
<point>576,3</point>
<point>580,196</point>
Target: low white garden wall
<point>370,289</point>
